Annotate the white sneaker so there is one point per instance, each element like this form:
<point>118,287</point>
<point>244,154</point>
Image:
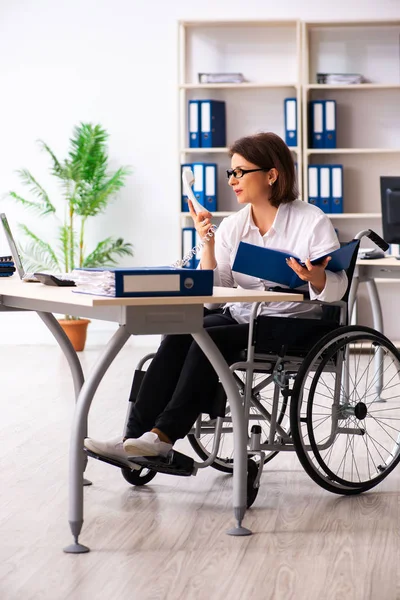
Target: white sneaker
<point>112,449</point>
<point>148,444</point>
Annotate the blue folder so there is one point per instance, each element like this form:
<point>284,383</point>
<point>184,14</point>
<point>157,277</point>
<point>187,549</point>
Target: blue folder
<point>270,265</point>
<point>313,185</point>
<point>317,121</point>
<point>336,188</point>
<point>291,121</point>
<point>329,124</point>
<point>210,186</point>
<point>158,281</point>
<point>213,124</point>
<point>194,124</point>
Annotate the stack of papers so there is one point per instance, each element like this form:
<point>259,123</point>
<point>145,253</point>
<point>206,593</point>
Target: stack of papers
<point>101,283</point>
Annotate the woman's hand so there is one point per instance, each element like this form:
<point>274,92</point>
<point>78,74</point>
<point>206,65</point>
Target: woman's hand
<point>202,222</point>
<point>314,274</point>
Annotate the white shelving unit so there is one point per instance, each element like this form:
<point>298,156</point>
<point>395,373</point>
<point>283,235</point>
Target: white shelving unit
<point>268,53</point>
<point>368,114</point>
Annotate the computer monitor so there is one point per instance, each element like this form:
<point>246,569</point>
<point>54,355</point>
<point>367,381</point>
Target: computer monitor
<point>390,203</point>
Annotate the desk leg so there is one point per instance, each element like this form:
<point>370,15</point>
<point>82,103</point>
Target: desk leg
<point>74,363</point>
<point>78,434</point>
<point>239,429</point>
<point>67,348</point>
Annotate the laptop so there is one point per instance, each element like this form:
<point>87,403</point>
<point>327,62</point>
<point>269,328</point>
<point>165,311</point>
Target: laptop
<point>29,277</point>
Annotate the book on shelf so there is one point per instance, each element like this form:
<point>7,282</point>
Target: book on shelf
<point>340,78</point>
<point>270,265</point>
<point>221,78</point>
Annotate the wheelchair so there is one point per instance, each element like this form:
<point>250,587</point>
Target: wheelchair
<point>324,389</point>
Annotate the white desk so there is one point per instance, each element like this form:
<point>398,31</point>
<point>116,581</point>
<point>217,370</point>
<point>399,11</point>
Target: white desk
<point>135,316</point>
<point>367,271</point>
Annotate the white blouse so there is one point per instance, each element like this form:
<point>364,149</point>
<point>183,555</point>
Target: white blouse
<point>299,228</point>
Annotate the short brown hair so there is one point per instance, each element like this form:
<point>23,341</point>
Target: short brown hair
<point>268,150</point>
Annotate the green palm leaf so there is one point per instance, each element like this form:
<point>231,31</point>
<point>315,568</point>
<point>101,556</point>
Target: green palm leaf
<point>106,252</point>
<point>58,169</point>
<point>36,189</point>
<point>38,254</point>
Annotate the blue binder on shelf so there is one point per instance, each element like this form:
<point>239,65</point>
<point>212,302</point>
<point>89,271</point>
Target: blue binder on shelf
<point>194,124</point>
<point>291,121</point>
<point>210,186</point>
<point>325,188</point>
<point>188,242</point>
<point>330,124</point>
<point>317,119</point>
<point>336,189</point>
<point>213,124</point>
<point>157,281</point>
<point>184,198</point>
<point>270,265</point>
<point>313,185</point>
<point>199,181</point>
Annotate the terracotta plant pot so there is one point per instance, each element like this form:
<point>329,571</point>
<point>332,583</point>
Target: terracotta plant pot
<point>76,330</point>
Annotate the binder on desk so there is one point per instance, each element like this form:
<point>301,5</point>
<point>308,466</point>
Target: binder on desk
<point>330,124</point>
<point>317,119</point>
<point>188,242</point>
<point>149,281</point>
<point>336,188</point>
<point>325,188</point>
<point>291,122</point>
<point>313,185</point>
<point>194,124</point>
<point>184,198</point>
<point>210,187</point>
<point>213,124</point>
<point>270,265</point>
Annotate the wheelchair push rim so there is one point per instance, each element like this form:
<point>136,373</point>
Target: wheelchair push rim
<point>345,411</point>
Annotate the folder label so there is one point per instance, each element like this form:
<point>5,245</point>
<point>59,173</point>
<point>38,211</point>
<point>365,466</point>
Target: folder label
<point>205,117</point>
<point>210,181</point>
<point>336,182</point>
<point>330,115</point>
<point>193,119</point>
<point>313,182</point>
<point>318,117</point>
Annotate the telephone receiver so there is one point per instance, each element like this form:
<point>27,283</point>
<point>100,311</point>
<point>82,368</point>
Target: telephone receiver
<point>188,181</point>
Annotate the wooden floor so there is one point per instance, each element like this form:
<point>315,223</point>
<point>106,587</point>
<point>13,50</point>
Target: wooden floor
<point>167,540</point>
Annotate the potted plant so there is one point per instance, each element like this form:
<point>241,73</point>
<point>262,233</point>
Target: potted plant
<point>88,188</point>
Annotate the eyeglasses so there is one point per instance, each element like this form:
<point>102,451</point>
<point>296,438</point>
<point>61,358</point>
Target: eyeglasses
<point>238,173</point>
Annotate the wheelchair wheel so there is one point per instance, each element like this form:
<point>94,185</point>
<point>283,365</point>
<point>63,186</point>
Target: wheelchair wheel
<point>137,477</point>
<point>345,410</point>
<point>252,470</point>
<point>260,410</point>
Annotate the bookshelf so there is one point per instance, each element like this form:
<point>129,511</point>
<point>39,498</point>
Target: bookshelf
<point>368,115</point>
<point>268,53</point>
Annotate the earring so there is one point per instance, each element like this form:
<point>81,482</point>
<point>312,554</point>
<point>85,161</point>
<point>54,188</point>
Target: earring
<point>271,183</point>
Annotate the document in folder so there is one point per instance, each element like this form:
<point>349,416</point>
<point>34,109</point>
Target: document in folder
<point>271,265</point>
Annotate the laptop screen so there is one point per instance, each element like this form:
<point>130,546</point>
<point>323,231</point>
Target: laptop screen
<point>13,246</point>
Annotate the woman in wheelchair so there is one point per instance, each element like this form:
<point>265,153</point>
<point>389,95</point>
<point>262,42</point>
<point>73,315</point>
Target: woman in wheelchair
<point>180,381</point>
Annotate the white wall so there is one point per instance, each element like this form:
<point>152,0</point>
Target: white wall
<point>114,62</point>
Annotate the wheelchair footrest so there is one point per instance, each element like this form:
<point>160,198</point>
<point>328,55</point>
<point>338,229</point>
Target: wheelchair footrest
<point>175,463</point>
<point>113,461</point>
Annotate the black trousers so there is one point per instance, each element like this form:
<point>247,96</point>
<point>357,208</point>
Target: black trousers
<point>180,382</point>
